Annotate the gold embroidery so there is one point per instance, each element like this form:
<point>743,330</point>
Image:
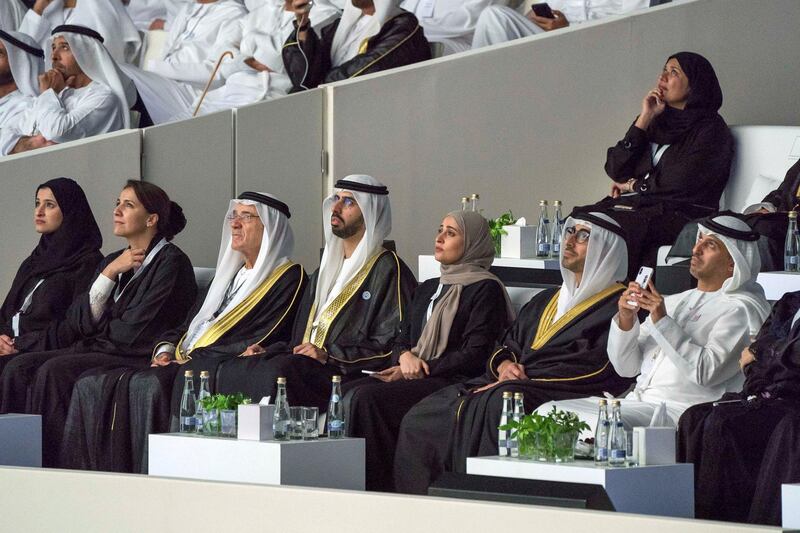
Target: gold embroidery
<point>288,308</point>
<point>395,47</point>
<point>458,412</point>
<point>491,359</point>
<point>229,320</point>
<point>330,313</point>
<point>547,328</point>
<point>379,356</point>
<point>585,376</point>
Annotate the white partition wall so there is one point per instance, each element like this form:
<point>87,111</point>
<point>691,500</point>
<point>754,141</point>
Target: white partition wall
<point>100,165</point>
<point>532,119</point>
<point>278,147</point>
<point>193,161</point>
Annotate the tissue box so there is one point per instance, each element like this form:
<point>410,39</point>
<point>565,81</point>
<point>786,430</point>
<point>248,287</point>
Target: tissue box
<point>255,422</point>
<point>655,446</point>
<point>520,243</point>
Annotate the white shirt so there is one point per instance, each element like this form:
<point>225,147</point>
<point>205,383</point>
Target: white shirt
<point>197,38</point>
<point>578,11</point>
<point>451,22</point>
<point>689,356</point>
<point>73,114</point>
<point>13,104</point>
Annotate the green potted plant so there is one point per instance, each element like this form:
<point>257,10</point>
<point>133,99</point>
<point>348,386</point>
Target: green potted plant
<point>549,437</point>
<point>496,229</point>
<point>219,413</point>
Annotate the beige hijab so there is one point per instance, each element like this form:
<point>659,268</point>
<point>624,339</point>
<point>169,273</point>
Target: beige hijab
<point>472,267</point>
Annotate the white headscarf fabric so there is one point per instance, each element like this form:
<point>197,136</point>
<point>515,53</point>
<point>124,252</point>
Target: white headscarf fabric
<point>11,14</point>
<point>277,246</point>
<point>742,286</point>
<point>25,67</point>
<point>377,215</point>
<point>97,63</point>
<point>352,30</point>
<point>606,263</point>
<point>109,18</point>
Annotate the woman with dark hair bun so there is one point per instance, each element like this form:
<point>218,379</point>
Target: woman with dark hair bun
<point>57,271</point>
<point>674,161</point>
<point>137,292</point>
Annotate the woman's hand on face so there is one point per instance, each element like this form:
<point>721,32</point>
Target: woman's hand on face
<point>652,105</point>
<point>412,366</point>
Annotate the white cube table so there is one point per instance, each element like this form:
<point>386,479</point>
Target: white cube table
<point>790,506</point>
<point>663,490</point>
<point>325,463</point>
<point>21,440</point>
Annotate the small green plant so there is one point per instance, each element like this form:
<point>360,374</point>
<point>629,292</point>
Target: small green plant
<point>544,436</point>
<point>224,401</point>
<point>496,228</point>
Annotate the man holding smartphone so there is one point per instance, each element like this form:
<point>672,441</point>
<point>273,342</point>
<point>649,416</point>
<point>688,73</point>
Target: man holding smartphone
<point>687,350</point>
<point>499,24</point>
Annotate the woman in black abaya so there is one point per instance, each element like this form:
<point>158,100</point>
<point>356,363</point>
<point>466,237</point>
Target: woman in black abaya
<point>56,272</point>
<point>451,327</point>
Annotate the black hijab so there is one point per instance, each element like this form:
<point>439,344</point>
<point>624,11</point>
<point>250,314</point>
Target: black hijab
<point>76,240</point>
<point>705,99</point>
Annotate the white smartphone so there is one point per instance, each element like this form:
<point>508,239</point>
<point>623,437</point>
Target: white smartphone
<point>642,278</point>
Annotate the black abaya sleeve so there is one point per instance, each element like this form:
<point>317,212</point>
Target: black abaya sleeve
<point>307,67</point>
<point>784,197</point>
<point>623,158</point>
<point>486,317</point>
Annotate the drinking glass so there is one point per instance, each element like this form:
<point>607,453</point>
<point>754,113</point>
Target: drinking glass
<point>310,429</point>
<point>296,429</point>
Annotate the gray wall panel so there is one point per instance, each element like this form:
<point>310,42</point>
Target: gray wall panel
<point>193,161</point>
<point>100,165</point>
<point>278,147</point>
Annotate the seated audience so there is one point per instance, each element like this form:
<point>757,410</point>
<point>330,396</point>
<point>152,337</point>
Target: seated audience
<point>446,336</point>
<point>686,350</point>
<point>57,271</point>
<point>371,36</point>
<point>498,23</point>
<point>674,161</point>
<point>83,94</point>
<point>350,312</point>
<point>21,63</point>
<point>450,22</point>
<point>108,18</point>
<point>253,298</point>
<point>11,14</point>
<point>555,349</point>
<point>729,441</point>
<point>153,14</point>
<point>137,293</point>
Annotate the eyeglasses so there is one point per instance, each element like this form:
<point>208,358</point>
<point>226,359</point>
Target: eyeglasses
<point>347,201</point>
<point>244,218</point>
<point>581,236</point>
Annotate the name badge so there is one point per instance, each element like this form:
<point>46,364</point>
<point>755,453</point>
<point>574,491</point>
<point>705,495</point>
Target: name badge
<point>426,8</point>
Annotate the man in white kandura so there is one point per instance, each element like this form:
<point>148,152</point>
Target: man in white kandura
<point>450,22</point>
<point>686,352</point>
<point>108,18</point>
<point>82,94</point>
<point>11,14</point>
<point>21,63</point>
<point>498,24</point>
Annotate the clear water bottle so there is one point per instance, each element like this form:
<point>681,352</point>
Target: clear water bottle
<point>282,418</point>
<point>601,434</point>
<point>558,230</point>
<point>464,203</point>
<point>791,248</point>
<point>474,202</point>
<point>188,404</point>
<point>519,412</point>
<point>543,232</point>
<point>617,441</point>
<point>204,392</point>
<point>507,414</point>
<point>336,424</point>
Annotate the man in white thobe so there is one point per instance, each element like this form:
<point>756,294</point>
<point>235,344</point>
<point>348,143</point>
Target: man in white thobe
<point>21,63</point>
<point>499,24</point>
<point>11,14</point>
<point>146,13</point>
<point>687,351</point>
<point>82,94</point>
<point>106,17</point>
<point>201,32</point>
<point>450,22</point>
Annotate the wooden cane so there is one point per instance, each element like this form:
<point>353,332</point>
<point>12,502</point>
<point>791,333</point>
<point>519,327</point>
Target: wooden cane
<point>210,80</point>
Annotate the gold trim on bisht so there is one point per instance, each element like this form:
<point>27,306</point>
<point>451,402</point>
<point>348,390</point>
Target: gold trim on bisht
<point>330,313</point>
<point>547,328</point>
<point>230,319</point>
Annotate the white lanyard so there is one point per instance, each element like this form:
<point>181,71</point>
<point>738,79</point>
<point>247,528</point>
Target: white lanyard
<point>655,155</point>
<point>25,305</point>
<point>147,260</point>
<point>433,300</point>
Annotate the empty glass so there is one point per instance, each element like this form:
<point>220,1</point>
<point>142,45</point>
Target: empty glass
<point>228,422</point>
<point>296,430</point>
<point>310,428</point>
